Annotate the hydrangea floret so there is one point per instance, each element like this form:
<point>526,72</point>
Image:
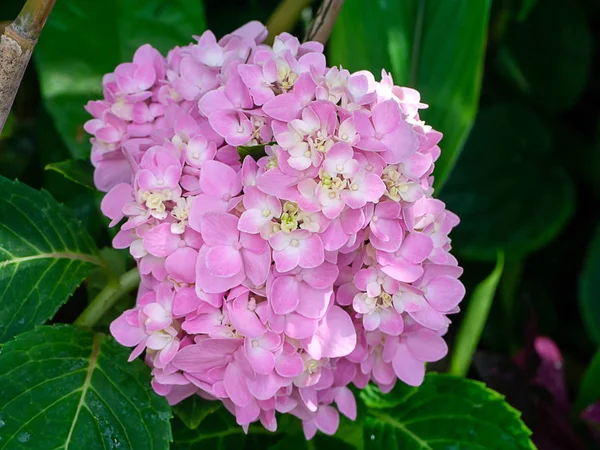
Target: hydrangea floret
<point>271,285</point>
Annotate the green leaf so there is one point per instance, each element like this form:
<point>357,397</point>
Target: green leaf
<point>320,441</point>
<point>509,190</point>
<point>445,412</point>
<point>553,50</point>
<point>589,388</point>
<point>474,321</point>
<point>589,289</point>
<point>84,40</point>
<point>67,388</point>
<point>219,431</point>
<point>193,410</point>
<point>45,254</point>
<point>79,171</point>
<point>254,151</point>
<point>424,49</point>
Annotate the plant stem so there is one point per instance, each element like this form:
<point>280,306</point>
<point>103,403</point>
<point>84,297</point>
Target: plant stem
<point>285,17</point>
<point>474,321</point>
<point>16,46</point>
<point>107,298</point>
<point>324,21</point>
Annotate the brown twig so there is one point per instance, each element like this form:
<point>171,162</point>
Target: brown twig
<point>16,46</point>
<point>324,21</point>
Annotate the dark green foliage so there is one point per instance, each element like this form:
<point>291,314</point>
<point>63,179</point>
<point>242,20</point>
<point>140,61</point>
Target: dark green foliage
<point>45,254</point>
<point>62,387</point>
<point>445,412</point>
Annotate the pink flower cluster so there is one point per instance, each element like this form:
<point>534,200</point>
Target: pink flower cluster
<point>271,285</point>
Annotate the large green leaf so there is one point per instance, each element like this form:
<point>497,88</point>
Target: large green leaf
<point>589,289</point>
<point>66,388</point>
<point>550,51</point>
<point>83,40</point>
<point>79,171</point>
<point>435,46</point>
<point>219,431</point>
<point>193,410</point>
<point>319,442</point>
<point>508,188</point>
<point>44,255</point>
<point>445,412</point>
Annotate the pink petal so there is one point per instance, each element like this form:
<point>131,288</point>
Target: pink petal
<point>289,366</point>
<point>284,107</point>
<point>209,283</point>
<point>444,292</point>
<point>312,253</point>
<point>426,345</point>
<point>219,229</point>
<point>261,360</point>
<point>387,116</point>
<point>185,301</point>
<point>407,367</point>
<point>300,327</point>
<point>327,420</point>
<point>284,295</point>
<point>219,180</point>
<point>416,247</point>
<point>257,266</point>
<point>264,387</point>
<point>181,265</point>
<point>430,318</point>
<point>391,322</point>
<point>313,303</point>
<point>124,333</point>
<point>160,242</point>
<point>321,277</point>
<point>235,385</point>
<point>252,220</point>
<point>245,321</point>
<point>286,259</point>
<point>403,271</point>
<point>113,202</point>
<point>400,144</point>
<point>223,261</point>
<point>372,321</point>
<point>346,403</point>
<point>335,337</point>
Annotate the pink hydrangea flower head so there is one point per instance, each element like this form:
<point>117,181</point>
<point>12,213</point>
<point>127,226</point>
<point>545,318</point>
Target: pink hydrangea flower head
<point>281,216</point>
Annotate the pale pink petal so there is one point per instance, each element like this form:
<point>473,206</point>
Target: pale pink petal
<point>223,261</point>
<point>300,327</point>
<point>264,387</point>
<point>219,229</point>
<point>444,292</point>
<point>235,385</point>
<point>284,296</point>
<point>403,271</point>
<point>407,367</point>
<point>126,334</point>
<point>256,266</point>
<point>346,403</point>
<point>327,420</point>
<point>426,345</point>
<point>311,252</point>
<point>335,337</point>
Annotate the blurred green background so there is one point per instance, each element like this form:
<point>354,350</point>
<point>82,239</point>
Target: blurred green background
<point>511,83</point>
